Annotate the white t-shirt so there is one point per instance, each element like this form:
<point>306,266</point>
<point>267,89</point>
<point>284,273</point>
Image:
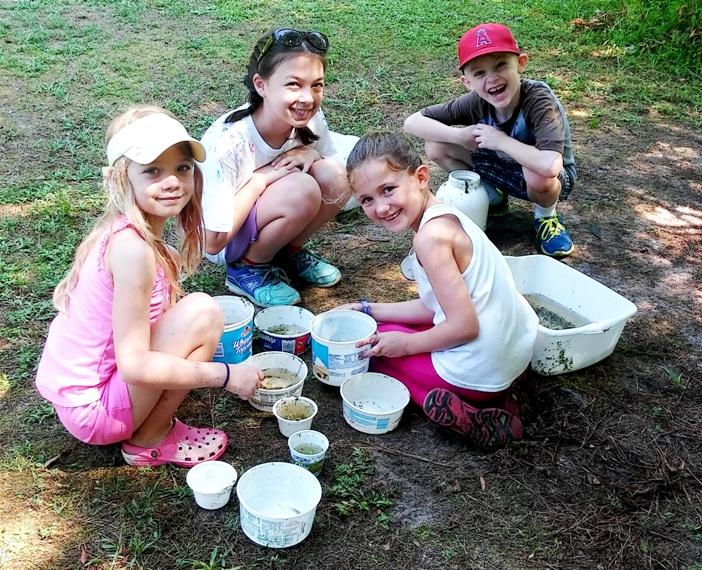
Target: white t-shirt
<point>234,152</point>
<point>507,323</point>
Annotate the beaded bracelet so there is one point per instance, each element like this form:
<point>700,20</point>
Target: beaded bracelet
<point>226,378</point>
<point>365,307</point>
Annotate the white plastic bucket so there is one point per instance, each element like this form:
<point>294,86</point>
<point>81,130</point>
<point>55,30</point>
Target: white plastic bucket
<point>285,328</point>
<point>277,503</point>
<point>606,313</point>
<point>263,399</point>
<point>374,402</point>
<point>335,355</point>
<point>235,344</point>
<point>211,483</point>
<point>297,405</point>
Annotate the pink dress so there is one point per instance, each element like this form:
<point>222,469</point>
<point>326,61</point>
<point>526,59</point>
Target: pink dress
<point>78,368</point>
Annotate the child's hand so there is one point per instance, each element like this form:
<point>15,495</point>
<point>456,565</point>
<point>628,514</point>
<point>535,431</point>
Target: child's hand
<point>302,157</point>
<point>468,138</point>
<point>391,343</point>
<point>244,380</point>
<point>487,136</point>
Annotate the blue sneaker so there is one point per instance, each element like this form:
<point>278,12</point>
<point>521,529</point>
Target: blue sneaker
<point>264,285</point>
<point>309,268</point>
<point>552,238</point>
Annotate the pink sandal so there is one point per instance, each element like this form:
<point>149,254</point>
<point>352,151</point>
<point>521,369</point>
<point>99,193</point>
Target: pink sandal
<point>184,446</point>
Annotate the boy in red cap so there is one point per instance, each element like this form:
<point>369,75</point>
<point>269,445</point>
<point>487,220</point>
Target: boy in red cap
<point>513,132</point>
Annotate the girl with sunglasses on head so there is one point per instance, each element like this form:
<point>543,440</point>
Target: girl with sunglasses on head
<point>270,179</point>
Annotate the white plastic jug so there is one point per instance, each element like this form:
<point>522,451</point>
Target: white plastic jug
<point>465,191</point>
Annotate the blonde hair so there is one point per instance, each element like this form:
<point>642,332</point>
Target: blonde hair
<point>121,201</point>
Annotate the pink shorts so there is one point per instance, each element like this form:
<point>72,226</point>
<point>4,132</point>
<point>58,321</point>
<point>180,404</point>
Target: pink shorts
<point>109,420</point>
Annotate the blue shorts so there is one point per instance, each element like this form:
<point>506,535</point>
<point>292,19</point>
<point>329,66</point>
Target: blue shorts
<point>506,174</point>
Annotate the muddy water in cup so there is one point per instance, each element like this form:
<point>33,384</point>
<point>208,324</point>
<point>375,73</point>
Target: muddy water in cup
<point>308,449</point>
<point>277,378</point>
<point>553,315</point>
<point>294,412</point>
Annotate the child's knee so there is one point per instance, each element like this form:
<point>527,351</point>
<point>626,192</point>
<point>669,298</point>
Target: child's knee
<point>205,316</point>
<point>306,196</point>
<point>330,174</point>
<point>541,184</point>
<point>436,151</point>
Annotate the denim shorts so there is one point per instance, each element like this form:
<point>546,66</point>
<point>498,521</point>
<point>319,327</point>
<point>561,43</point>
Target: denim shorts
<point>506,174</point>
<point>108,420</point>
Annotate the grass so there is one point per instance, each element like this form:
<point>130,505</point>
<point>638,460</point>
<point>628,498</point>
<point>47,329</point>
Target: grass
<point>66,68</point>
<point>350,493</point>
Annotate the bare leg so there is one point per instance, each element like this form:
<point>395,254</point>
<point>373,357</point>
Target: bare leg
<point>449,156</point>
<point>190,329</point>
<point>540,189</point>
<point>330,174</point>
<point>283,211</point>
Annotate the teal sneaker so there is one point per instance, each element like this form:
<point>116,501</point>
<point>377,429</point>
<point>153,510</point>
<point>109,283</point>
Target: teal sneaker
<point>499,201</point>
<point>309,268</point>
<point>264,285</point>
<point>552,238</point>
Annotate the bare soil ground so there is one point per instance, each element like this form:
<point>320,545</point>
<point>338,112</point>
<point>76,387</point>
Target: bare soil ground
<point>608,474</point>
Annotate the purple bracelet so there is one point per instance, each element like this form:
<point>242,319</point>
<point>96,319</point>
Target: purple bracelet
<point>226,378</point>
<point>365,307</point>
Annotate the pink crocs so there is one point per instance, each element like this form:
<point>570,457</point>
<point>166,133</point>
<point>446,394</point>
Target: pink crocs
<point>184,446</point>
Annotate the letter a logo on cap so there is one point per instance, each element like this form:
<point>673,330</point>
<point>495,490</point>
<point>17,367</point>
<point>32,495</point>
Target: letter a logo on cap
<point>482,38</point>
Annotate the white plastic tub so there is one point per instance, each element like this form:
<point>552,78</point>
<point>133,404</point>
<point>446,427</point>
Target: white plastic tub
<point>373,403</point>
<point>212,483</point>
<point>264,399</point>
<point>285,328</point>
<point>606,313</point>
<point>335,355</point>
<point>297,406</point>
<point>277,503</point>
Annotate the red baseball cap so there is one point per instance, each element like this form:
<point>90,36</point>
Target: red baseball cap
<point>485,38</point>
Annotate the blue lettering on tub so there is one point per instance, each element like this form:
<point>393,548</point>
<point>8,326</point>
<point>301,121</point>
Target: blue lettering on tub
<point>242,345</point>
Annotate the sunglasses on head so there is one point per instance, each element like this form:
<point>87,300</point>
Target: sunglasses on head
<point>289,37</point>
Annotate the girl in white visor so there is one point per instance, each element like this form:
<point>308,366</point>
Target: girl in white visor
<point>127,346</point>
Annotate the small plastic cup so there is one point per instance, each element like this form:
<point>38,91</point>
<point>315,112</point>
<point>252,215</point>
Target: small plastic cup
<point>212,483</point>
<point>294,413</point>
<point>308,448</point>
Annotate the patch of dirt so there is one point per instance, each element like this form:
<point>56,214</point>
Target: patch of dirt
<point>609,472</point>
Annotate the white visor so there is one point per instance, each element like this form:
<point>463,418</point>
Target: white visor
<point>145,139</point>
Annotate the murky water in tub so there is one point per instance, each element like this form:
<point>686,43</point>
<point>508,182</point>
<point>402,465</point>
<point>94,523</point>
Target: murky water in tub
<point>277,378</point>
<point>553,315</point>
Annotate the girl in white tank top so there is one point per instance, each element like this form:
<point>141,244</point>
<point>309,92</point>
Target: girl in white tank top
<point>459,347</point>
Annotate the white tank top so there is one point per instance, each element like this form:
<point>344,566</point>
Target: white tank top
<point>507,323</point>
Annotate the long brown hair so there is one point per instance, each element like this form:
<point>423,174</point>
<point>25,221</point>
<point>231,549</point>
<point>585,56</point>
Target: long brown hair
<point>274,56</point>
<point>121,201</point>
